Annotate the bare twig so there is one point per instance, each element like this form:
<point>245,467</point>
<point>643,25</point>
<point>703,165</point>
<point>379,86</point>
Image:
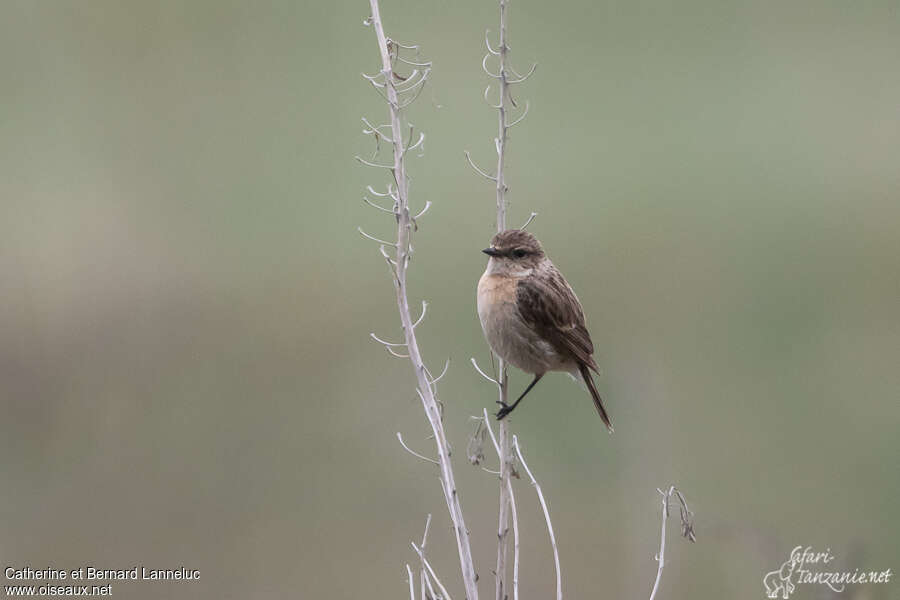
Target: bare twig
<point>379,207</point>
<point>501,121</point>
<point>483,374</point>
<point>431,572</point>
<point>388,50</point>
<point>505,497</point>
<point>443,372</point>
<point>687,530</point>
<point>380,194</point>
<point>424,578</point>
<point>478,169</point>
<point>381,341</point>
<point>520,117</point>
<point>514,516</point>
<point>521,78</point>
<point>487,423</point>
<point>528,222</point>
<point>414,453</point>
<point>422,316</point>
<point>546,510</point>
<point>502,443</point>
<point>412,586</point>
<point>375,239</point>
<point>423,211</point>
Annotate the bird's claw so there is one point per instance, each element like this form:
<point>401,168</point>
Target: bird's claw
<point>505,409</point>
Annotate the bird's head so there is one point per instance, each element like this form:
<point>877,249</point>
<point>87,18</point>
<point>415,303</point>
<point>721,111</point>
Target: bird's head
<point>514,251</point>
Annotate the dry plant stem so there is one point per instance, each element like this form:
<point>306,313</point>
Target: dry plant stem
<point>444,593</point>
<point>412,585</point>
<point>423,575</point>
<point>503,444</point>
<point>546,510</point>
<point>515,525</point>
<point>687,530</point>
<point>501,120</point>
<point>505,455</point>
<point>661,557</point>
<point>507,506</point>
<point>401,263</point>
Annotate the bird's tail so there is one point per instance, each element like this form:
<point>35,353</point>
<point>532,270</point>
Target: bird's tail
<point>598,402</point>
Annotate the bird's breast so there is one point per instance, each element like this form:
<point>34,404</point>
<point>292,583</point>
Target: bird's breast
<point>496,297</point>
<point>505,330</point>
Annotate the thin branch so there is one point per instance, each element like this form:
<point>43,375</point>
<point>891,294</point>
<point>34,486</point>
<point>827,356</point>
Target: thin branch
<point>375,239</point>
<point>491,104</point>
<point>381,208</point>
<point>371,164</point>
<point>484,65</point>
<point>515,524</point>
<point>412,83</point>
<point>502,444</point>
<point>661,555</point>
<point>431,572</point>
<point>546,510</point>
<point>372,129</point>
<point>687,530</point>
<point>501,120</point>
<point>423,211</point>
<point>488,43</point>
<point>506,469</point>
<point>419,87</point>
<point>425,533</point>
<point>373,79</point>
<point>417,144</point>
<point>412,587</point>
<point>483,374</point>
<point>409,79</point>
<point>423,573</point>
<point>413,63</point>
<point>405,47</point>
<point>394,353</point>
<point>387,257</point>
<point>427,578</point>
<point>443,372</point>
<point>521,117</point>
<point>422,316</point>
<point>413,452</point>
<point>400,265</point>
<point>522,78</point>
<point>390,344</point>
<point>528,222</point>
<point>487,422</point>
<point>478,170</point>
<point>379,194</point>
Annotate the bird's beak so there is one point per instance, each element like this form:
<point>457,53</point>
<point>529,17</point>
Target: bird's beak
<point>490,251</point>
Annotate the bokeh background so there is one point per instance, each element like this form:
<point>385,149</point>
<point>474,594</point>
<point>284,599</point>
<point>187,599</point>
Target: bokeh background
<point>185,303</point>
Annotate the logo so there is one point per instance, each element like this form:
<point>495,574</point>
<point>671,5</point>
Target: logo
<point>805,566</point>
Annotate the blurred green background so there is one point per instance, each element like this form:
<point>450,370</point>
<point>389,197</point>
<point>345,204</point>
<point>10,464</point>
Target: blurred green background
<point>185,303</point>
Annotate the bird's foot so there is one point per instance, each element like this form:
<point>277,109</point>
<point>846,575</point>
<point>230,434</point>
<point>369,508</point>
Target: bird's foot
<point>505,409</point>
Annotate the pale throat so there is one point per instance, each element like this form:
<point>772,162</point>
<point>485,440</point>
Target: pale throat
<point>507,269</point>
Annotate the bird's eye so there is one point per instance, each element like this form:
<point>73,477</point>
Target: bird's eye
<point>519,253</point>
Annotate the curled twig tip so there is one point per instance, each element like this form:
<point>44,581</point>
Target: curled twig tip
<point>477,169</point>
<point>528,222</point>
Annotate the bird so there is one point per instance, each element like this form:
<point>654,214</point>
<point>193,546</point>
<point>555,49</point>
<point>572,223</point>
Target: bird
<point>532,318</point>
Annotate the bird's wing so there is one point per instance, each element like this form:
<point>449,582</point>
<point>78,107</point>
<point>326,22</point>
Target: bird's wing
<point>550,307</point>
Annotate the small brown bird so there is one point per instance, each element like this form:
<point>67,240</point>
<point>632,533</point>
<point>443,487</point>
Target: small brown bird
<point>531,317</point>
